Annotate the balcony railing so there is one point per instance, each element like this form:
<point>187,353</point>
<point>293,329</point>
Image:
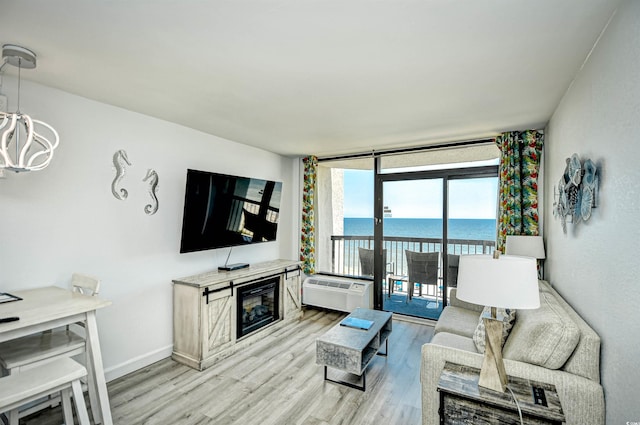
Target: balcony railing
<point>345,260</point>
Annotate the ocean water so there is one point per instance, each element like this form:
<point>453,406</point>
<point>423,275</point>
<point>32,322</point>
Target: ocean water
<point>476,229</point>
<point>346,254</point>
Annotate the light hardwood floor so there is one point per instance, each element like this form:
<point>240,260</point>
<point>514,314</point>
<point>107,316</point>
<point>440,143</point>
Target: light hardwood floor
<point>273,382</point>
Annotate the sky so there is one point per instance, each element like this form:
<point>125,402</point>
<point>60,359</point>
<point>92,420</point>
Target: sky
<point>469,198</point>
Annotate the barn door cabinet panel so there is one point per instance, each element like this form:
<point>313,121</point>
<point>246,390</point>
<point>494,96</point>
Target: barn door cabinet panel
<point>293,293</point>
<point>219,323</point>
<point>205,310</point>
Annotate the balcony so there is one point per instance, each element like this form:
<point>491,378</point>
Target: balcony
<point>345,260</point>
<point>427,301</point>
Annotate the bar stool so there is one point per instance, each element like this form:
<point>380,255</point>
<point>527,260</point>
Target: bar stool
<point>29,351</point>
<point>58,376</point>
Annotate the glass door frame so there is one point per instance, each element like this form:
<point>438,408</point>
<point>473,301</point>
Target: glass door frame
<point>378,213</point>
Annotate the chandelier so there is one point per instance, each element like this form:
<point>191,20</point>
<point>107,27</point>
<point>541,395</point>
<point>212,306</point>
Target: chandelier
<point>22,148</point>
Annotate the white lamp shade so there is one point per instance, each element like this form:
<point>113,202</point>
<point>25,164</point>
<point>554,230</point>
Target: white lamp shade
<point>506,282</point>
<point>526,246</point>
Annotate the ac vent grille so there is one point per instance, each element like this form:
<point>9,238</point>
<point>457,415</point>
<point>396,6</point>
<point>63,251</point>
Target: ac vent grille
<point>337,293</point>
<point>329,283</point>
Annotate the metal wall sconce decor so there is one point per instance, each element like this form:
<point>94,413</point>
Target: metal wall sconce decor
<point>152,178</point>
<point>576,193</point>
<point>120,162</point>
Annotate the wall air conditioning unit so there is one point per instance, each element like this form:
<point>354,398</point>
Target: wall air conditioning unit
<point>337,293</point>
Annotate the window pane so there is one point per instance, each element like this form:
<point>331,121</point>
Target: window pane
<point>472,215</point>
<point>345,215</point>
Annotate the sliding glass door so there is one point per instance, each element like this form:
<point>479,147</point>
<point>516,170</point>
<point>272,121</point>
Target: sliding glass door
<point>388,222</point>
<point>421,209</point>
<point>472,215</point>
<point>471,221</point>
<point>412,243</point>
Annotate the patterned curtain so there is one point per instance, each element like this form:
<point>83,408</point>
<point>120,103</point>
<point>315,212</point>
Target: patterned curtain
<point>308,238</point>
<point>518,199</point>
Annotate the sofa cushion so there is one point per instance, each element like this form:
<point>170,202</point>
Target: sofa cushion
<point>508,317</point>
<point>545,336</point>
<point>455,302</point>
<point>458,321</point>
<point>454,341</point>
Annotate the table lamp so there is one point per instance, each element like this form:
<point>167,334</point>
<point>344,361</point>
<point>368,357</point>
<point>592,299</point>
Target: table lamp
<point>498,282</point>
<point>526,246</point>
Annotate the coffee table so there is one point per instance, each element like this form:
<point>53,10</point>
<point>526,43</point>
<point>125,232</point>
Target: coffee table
<point>351,349</point>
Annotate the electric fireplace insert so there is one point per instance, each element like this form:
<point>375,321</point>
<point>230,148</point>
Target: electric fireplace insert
<point>258,305</point>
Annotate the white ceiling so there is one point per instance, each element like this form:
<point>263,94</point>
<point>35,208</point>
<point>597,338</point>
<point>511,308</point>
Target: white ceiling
<point>315,76</point>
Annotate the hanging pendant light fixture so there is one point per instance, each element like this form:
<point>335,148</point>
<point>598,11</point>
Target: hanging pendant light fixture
<point>22,148</point>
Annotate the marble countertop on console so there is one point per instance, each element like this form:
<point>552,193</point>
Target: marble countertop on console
<point>221,278</point>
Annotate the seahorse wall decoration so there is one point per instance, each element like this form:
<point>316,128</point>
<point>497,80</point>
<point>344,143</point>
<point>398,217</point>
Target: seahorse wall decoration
<point>120,161</point>
<point>152,177</point>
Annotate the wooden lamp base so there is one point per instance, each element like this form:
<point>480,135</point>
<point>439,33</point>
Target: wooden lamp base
<point>493,374</point>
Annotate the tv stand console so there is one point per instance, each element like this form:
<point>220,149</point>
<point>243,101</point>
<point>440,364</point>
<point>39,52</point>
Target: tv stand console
<point>205,310</point>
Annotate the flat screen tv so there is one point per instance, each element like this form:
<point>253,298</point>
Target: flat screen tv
<point>221,210</point>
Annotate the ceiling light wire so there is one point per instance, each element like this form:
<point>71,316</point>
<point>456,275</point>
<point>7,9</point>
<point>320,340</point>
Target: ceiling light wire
<point>19,81</point>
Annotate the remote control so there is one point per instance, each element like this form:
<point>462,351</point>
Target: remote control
<point>8,319</point>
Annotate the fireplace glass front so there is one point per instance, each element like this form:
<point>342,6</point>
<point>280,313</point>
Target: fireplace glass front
<point>257,305</point>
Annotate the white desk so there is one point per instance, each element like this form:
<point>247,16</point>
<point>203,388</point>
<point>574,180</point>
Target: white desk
<point>47,308</point>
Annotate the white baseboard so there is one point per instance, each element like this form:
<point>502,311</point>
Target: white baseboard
<point>136,363</point>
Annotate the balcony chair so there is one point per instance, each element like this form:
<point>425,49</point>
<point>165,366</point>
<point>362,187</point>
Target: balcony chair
<point>423,270</point>
<point>24,353</point>
<point>452,272</point>
<point>366,262</point>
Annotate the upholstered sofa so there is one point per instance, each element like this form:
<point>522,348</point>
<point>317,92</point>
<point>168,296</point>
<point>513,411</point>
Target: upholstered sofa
<point>551,344</point>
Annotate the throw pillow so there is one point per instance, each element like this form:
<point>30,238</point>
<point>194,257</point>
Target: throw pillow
<point>545,336</point>
<point>508,317</point>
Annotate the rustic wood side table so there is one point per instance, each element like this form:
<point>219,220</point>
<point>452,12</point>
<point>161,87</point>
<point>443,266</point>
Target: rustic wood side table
<point>463,402</point>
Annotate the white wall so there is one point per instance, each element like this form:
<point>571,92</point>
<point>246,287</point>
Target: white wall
<point>329,214</point>
<point>595,265</point>
<point>65,219</point>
